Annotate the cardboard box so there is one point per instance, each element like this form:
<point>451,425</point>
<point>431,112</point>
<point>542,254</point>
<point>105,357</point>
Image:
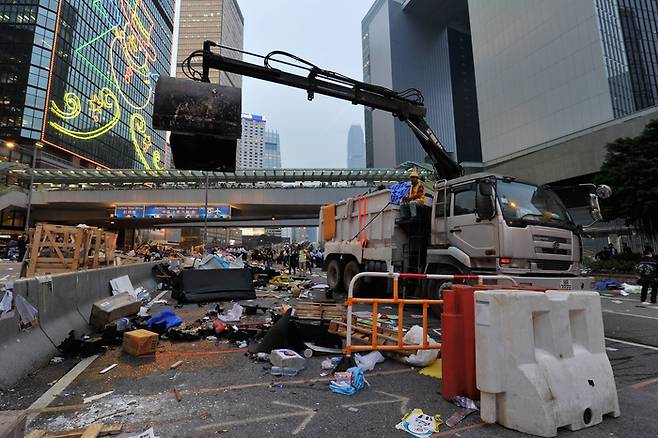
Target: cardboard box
<point>108,309</point>
<point>138,342</point>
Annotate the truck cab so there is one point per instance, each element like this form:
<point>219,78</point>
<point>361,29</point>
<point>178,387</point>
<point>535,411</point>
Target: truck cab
<point>492,224</point>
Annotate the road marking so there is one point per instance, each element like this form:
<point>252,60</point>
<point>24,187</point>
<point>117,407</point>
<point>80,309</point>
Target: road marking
<point>306,412</point>
<point>460,429</point>
<point>634,344</point>
<point>630,314</point>
<point>55,390</point>
<point>644,383</point>
<point>404,402</point>
<point>66,408</point>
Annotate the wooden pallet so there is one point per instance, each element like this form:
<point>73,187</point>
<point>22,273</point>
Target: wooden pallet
<point>91,431</point>
<point>100,248</point>
<point>55,249</point>
<point>362,334</point>
<point>319,311</point>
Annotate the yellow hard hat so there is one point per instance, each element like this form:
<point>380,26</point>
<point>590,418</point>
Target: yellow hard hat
<point>414,174</point>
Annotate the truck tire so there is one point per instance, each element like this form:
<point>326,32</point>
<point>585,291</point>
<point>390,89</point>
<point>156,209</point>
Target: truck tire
<point>434,290</point>
<point>334,276</point>
<point>351,269</point>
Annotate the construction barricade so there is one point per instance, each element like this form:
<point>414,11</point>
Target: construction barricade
<point>541,362</point>
<point>400,302</point>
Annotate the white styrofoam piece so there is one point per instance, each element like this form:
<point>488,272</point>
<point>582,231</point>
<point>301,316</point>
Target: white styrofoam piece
<point>541,361</point>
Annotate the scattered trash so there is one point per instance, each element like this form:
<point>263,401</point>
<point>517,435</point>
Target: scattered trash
<point>27,312</point>
<point>211,338</point>
<point>608,284</point>
<point>146,434</point>
<point>630,289</point>
<point>105,370</point>
<point>330,363</point>
<point>466,408</point>
<point>433,370</point>
<point>368,361</point>
<point>616,301</point>
<point>122,284</point>
<point>55,360</point>
<point>419,424</point>
<point>322,350</point>
<point>262,357</point>
<point>218,326</point>
<point>139,342</point>
<point>177,395</point>
<point>611,349</point>
<point>283,371</point>
<point>353,409</point>
<point>243,344</point>
<point>287,359</point>
<point>423,357</point>
<point>96,397</point>
<point>232,315</point>
<point>168,316</point>
<point>7,299</point>
<point>348,383</point>
<point>176,365</point>
<point>112,308</point>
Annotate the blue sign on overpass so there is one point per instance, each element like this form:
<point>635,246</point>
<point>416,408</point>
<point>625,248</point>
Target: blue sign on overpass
<point>172,212</point>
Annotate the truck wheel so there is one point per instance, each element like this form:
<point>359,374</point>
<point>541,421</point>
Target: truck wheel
<point>334,276</point>
<point>434,290</point>
<point>351,269</point>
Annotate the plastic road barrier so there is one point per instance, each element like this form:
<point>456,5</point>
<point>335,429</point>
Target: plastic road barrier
<point>541,362</point>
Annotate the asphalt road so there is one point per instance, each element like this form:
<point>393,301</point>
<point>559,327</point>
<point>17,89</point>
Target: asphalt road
<point>223,393</point>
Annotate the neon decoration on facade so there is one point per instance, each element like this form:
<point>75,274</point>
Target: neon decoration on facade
<point>105,101</point>
<point>130,81</point>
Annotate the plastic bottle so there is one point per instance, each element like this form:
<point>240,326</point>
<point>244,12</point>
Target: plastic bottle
<point>284,371</point>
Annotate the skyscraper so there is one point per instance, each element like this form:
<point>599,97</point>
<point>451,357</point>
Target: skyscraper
<point>77,78</point>
<point>251,147</point>
<point>272,150</point>
<point>561,78</point>
<point>220,21</point>
<point>356,148</point>
<point>416,44</point>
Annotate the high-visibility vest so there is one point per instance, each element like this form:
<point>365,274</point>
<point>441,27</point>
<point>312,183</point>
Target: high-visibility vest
<point>417,193</point>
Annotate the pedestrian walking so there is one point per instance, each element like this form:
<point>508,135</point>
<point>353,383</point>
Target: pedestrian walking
<point>647,270</point>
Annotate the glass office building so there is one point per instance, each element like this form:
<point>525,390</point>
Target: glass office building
<point>79,77</point>
<point>272,150</point>
<point>423,44</point>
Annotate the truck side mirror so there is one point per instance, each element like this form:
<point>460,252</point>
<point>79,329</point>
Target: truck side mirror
<point>595,208</point>
<point>485,208</point>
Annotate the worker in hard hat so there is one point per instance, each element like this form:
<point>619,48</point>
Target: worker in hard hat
<point>416,195</point>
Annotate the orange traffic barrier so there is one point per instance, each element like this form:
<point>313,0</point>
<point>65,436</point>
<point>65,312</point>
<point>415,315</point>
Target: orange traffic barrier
<point>425,345</point>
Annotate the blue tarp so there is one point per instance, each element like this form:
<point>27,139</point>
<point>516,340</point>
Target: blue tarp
<point>398,191</point>
<point>168,316</point>
<point>608,284</point>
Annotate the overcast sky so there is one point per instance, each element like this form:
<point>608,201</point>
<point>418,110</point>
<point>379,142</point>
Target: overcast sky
<point>327,33</point>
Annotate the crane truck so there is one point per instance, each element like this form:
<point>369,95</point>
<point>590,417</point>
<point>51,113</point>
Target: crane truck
<point>483,223</point>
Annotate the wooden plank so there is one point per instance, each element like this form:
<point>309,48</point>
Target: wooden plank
<point>35,251</point>
<point>92,431</point>
<point>107,429</point>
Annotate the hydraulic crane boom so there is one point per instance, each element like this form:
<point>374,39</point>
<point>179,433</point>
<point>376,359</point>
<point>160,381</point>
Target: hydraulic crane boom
<point>359,93</point>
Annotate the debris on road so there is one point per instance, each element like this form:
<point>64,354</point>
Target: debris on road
<point>419,424</point>
<point>149,433</point>
<point>349,382</point>
<point>176,365</point>
<point>433,370</point>
<point>105,370</point>
<point>139,342</point>
<point>368,361</point>
<point>96,397</point>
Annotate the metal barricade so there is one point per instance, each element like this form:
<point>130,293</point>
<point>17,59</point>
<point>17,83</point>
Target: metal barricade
<point>425,345</point>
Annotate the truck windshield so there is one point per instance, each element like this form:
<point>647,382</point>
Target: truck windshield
<point>531,204</point>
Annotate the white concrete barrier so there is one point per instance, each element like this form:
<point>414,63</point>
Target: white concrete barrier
<point>541,362</point>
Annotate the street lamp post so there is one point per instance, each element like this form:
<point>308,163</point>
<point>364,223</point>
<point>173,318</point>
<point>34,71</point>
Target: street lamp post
<point>205,222</point>
<point>29,193</point>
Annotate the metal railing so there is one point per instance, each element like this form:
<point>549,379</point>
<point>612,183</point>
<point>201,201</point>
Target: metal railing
<point>425,345</point>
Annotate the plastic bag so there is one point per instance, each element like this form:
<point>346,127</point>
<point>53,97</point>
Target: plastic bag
<point>7,299</point>
<point>26,311</point>
<point>232,315</point>
<point>369,361</point>
<point>424,357</point>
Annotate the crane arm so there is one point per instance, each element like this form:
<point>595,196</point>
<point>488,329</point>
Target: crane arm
<point>340,87</point>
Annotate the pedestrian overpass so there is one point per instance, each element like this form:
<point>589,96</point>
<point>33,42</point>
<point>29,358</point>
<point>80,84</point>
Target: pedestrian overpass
<point>259,198</point>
